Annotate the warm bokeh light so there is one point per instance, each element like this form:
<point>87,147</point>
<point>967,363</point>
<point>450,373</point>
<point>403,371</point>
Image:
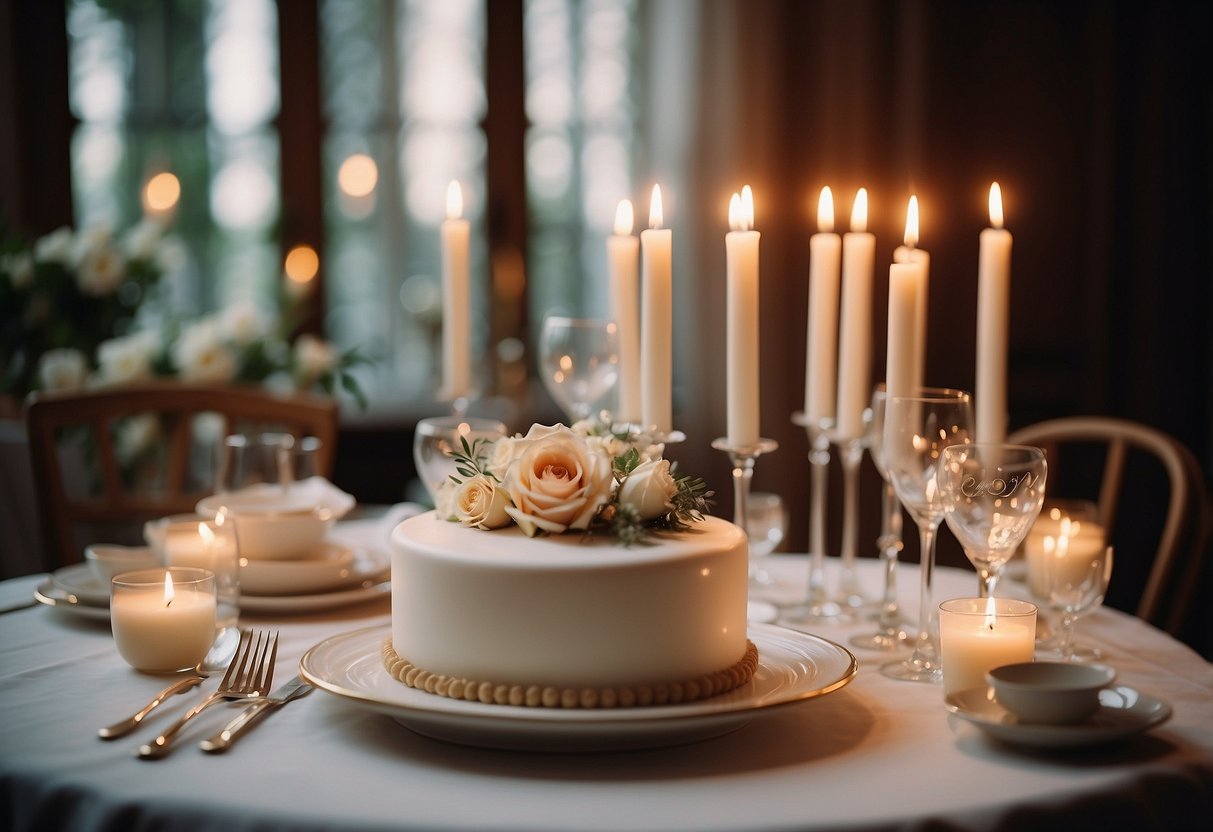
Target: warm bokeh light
<point>454,201</point>
<point>995,206</point>
<point>358,175</point>
<point>161,193</point>
<point>655,215</point>
<point>825,210</point>
<point>302,264</point>
<point>911,238</point>
<point>859,211</point>
<point>624,218</point>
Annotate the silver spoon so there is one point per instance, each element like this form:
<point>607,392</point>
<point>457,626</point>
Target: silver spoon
<point>215,661</point>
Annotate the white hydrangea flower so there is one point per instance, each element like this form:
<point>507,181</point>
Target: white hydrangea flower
<point>126,359</point>
<point>100,266</point>
<point>313,358</point>
<point>243,323</point>
<point>62,370</point>
<point>202,355</point>
<point>56,247</point>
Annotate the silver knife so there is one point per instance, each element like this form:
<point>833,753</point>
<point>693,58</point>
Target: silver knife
<point>292,690</point>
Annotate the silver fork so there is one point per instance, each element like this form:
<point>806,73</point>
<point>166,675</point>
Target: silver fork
<point>250,674</point>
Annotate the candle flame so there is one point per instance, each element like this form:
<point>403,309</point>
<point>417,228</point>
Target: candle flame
<point>655,216</point>
<point>168,588</point>
<point>911,238</point>
<point>825,210</point>
<point>454,201</point>
<point>859,211</point>
<point>995,206</point>
<point>991,613</point>
<point>204,532</point>
<point>624,218</point>
<point>741,211</point>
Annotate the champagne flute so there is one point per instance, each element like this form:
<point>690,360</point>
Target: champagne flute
<point>889,635</point>
<point>916,430</point>
<point>1076,585</point>
<point>579,362</point>
<point>992,494</point>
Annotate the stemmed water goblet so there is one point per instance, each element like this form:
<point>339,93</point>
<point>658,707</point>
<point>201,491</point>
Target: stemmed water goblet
<point>991,495</point>
<point>917,428</point>
<point>439,436</point>
<point>889,635</point>
<point>1076,585</point>
<point>579,362</point>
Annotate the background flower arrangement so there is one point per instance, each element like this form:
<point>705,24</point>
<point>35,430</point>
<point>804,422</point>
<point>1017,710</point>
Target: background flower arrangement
<point>87,309</point>
<point>594,477</point>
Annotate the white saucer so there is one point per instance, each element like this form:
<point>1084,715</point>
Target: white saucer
<point>367,591</point>
<point>1123,712</point>
<point>79,581</point>
<point>793,667</point>
<point>334,566</point>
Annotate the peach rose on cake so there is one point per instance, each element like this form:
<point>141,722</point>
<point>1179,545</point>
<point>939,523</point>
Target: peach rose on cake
<point>649,489</point>
<point>555,480</point>
<point>481,503</point>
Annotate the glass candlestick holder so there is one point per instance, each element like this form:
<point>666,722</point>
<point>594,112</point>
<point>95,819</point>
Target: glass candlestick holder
<point>850,454</point>
<point>743,458</point>
<point>817,607</point>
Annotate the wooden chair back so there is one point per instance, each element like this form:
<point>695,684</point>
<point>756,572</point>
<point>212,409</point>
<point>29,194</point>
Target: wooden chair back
<point>1174,570</point>
<point>96,487</point>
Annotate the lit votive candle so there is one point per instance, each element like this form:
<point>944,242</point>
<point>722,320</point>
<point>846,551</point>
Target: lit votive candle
<point>979,634</point>
<point>210,545</point>
<point>163,619</point>
<point>1064,552</point>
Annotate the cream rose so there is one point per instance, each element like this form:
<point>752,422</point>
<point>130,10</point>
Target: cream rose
<point>481,503</point>
<point>555,480</point>
<point>649,489</point>
<point>62,369</point>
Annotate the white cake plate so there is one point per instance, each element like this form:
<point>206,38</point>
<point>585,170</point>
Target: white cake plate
<point>793,667</point>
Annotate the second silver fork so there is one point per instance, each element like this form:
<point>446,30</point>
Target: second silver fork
<point>250,674</point>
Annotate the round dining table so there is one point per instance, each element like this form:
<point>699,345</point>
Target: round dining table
<point>874,754</point>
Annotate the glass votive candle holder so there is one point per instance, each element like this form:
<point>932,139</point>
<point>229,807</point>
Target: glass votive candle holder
<point>163,619</point>
<point>979,634</point>
<point>210,544</point>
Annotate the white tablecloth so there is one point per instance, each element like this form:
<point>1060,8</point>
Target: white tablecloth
<point>879,754</point>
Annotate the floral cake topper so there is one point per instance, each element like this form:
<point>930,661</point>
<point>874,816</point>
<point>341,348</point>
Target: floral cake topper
<point>597,477</point>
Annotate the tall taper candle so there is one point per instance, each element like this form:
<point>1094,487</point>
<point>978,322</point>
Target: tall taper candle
<point>855,339</point>
<point>657,314</point>
<point>825,256</point>
<point>993,313</point>
<point>911,253</point>
<point>622,253</point>
<point>907,287</point>
<point>456,298</point>
<point>741,332</point>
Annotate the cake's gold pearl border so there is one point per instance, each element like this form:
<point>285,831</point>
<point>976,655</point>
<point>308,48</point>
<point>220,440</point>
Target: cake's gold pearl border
<point>537,696</point>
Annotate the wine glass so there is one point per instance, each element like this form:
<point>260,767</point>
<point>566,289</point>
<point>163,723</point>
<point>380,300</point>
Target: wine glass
<point>1076,584</point>
<point>992,494</point>
<point>437,436</point>
<point>579,362</point>
<point>766,526</point>
<point>916,430</point>
<point>889,635</point>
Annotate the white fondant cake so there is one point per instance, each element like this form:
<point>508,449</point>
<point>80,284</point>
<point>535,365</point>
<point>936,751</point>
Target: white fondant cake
<point>570,612</point>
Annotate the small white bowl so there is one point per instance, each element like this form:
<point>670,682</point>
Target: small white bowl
<point>1050,693</point>
<point>105,560</point>
<point>272,525</point>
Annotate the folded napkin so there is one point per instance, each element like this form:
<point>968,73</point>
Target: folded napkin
<point>311,493</point>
